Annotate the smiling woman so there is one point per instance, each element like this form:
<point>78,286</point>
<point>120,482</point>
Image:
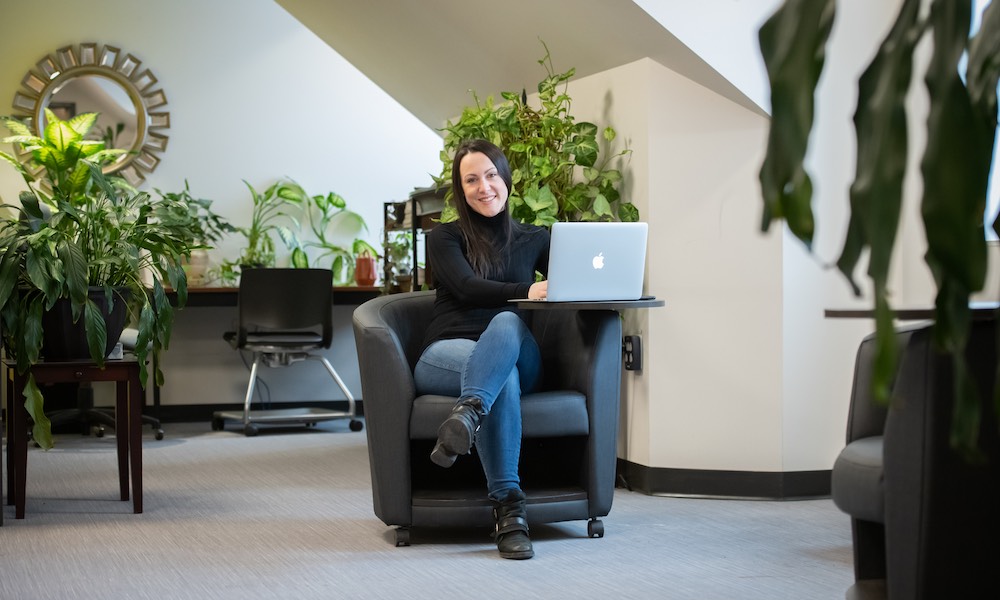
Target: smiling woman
<point>104,80</point>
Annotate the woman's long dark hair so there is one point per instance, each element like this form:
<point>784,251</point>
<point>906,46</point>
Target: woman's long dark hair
<point>484,257</point>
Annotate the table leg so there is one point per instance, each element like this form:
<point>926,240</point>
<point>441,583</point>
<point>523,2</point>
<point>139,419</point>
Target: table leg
<point>135,406</point>
<point>19,437</point>
<point>9,383</point>
<point>121,435</point>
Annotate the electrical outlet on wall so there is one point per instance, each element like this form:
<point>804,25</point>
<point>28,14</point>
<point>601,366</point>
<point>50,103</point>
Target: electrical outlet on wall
<point>632,351</point>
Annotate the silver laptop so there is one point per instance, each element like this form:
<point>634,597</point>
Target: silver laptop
<point>596,261</point>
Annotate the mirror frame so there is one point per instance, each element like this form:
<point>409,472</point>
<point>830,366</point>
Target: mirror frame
<point>69,62</point>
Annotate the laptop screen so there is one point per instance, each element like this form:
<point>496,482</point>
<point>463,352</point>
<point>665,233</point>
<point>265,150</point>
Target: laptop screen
<point>596,261</point>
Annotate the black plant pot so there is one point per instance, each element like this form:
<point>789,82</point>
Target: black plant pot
<point>942,510</point>
<point>62,339</point>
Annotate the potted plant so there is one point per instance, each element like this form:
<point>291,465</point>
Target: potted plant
<point>269,207</point>
<point>208,227</point>
<point>83,239</point>
<point>960,134</point>
<point>323,213</point>
<point>555,161</point>
<point>941,445</point>
<point>399,257</point>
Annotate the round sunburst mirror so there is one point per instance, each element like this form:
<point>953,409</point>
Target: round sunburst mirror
<point>100,79</point>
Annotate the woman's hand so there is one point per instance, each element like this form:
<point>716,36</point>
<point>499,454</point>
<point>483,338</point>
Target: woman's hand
<point>538,290</point>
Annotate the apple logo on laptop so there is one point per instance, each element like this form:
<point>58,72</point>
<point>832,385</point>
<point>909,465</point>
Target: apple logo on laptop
<point>599,261</point>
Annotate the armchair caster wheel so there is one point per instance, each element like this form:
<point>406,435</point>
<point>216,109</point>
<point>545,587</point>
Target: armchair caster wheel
<point>356,425</point>
<point>595,528</point>
<point>250,430</point>
<point>402,536</point>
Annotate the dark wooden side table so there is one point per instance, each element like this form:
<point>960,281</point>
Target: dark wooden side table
<point>128,417</point>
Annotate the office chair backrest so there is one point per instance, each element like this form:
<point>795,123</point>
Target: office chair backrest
<point>287,299</point>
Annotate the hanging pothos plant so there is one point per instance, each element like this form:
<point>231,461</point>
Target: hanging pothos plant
<point>558,174</point>
<point>961,127</point>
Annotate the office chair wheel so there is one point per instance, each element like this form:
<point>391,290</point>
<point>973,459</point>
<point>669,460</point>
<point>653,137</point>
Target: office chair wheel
<point>250,430</point>
<point>218,424</point>
<point>99,431</point>
<point>595,528</point>
<point>159,434</point>
<point>402,536</point>
<point>356,425</point>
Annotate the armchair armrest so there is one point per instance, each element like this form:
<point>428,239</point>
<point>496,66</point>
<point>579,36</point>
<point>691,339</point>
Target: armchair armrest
<point>388,332</point>
<point>866,418</point>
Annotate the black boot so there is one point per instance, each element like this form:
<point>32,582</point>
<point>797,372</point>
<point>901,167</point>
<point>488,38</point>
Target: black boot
<point>512,526</point>
<point>456,434</point>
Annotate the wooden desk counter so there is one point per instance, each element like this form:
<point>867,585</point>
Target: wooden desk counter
<point>227,296</point>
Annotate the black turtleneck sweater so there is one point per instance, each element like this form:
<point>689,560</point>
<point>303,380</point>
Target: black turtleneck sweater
<point>466,302</point>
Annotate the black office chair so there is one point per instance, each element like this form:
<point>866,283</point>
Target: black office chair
<point>285,316</point>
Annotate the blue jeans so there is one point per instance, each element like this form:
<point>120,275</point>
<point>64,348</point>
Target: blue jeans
<point>496,369</point>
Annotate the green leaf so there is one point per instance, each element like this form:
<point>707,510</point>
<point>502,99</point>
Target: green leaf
<point>34,403</point>
<point>29,204</point>
<point>299,259</point>
<point>540,200</point>
<point>146,326</point>
<point>97,331</point>
<point>32,329</point>
<point>793,44</point>
<point>585,151</point>
<point>880,124</point>
<point>586,130</point>
<point>602,207</point>
<point>628,212</point>
<point>9,269</point>
<point>955,167</point>
<point>74,267</point>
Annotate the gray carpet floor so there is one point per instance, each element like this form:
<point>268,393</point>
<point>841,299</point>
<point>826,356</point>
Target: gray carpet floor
<point>288,514</point>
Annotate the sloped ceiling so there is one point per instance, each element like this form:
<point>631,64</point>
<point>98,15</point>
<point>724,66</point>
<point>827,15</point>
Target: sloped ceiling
<point>428,54</point>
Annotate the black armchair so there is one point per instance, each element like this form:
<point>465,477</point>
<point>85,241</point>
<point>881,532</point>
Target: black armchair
<point>925,519</point>
<point>568,454</point>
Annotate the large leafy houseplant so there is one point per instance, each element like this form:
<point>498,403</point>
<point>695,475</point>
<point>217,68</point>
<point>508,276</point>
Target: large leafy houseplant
<point>961,128</point>
<point>75,230</point>
<point>558,174</point>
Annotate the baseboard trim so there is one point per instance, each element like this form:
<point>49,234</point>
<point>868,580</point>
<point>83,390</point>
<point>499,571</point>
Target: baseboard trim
<point>788,485</point>
<point>192,413</point>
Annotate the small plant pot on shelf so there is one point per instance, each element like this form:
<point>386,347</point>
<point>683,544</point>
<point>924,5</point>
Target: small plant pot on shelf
<point>365,269</point>
<point>404,282</point>
<point>196,268</point>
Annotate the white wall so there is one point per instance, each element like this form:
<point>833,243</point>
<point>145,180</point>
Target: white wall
<point>709,396</point>
<point>724,34</point>
<point>819,360</point>
<point>742,370</point>
<point>252,95</point>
